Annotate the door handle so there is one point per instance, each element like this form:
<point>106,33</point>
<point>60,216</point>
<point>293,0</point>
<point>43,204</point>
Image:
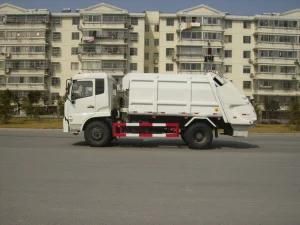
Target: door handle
<point>91,107</point>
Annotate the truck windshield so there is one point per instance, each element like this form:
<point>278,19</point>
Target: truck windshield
<point>81,89</point>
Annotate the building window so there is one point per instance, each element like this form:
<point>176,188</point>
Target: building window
<point>56,51</point>
<point>247,84</point>
<point>2,79</point>
<point>55,81</point>
<point>146,42</point>
<point>156,56</point>
<point>74,51</point>
<point>247,39</point>
<point>55,66</point>
<point>147,28</point>
<point>170,52</point>
<point>170,37</point>
<point>190,66</point>
<point>247,24</point>
<point>75,20</point>
<point>228,68</point>
<point>286,85</point>
<point>56,36</point>
<point>228,53</point>
<point>156,28</point>
<point>228,38</point>
<point>246,69</point>
<point>133,66</point>
<point>133,51</point>
<point>75,35</point>
<point>134,36</point>
<point>100,88</point>
<point>228,24</point>
<point>134,21</point>
<point>156,42</point>
<point>212,35</point>
<point>56,20</point>
<point>146,55</point>
<point>246,54</point>
<point>54,97</point>
<point>146,69</point>
<point>170,22</point>
<point>169,67</point>
<point>155,69</point>
<point>74,65</point>
<point>288,69</point>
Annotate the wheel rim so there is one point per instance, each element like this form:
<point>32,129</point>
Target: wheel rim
<point>97,133</point>
<point>199,137</point>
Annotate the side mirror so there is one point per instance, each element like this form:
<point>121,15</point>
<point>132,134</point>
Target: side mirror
<point>68,85</point>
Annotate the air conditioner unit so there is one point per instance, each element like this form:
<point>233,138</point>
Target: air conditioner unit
<point>8,55</point>
<point>4,19</point>
<point>195,24</point>
<point>128,26</point>
<point>7,70</point>
<point>88,39</point>
<point>252,75</point>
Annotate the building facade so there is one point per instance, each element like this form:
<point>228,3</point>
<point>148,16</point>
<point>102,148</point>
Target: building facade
<point>41,49</point>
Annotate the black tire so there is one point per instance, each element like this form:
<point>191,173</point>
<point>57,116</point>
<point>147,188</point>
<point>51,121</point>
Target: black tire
<point>97,134</point>
<point>198,136</point>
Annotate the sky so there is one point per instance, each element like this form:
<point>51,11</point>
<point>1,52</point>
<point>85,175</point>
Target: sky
<point>236,7</point>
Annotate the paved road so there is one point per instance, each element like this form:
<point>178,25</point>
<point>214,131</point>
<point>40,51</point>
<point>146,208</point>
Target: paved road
<point>47,177</point>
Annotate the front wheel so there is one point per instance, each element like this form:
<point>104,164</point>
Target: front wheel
<point>97,134</point>
<point>198,136</point>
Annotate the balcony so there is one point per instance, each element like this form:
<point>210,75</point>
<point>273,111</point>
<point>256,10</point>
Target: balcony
<point>22,36</point>
<point>196,58</point>
<point>23,87</point>
<point>274,60</point>
<point>110,52</point>
<point>277,30</point>
<point>272,45</point>
<point>105,21</point>
<point>275,76</point>
<point>199,42</point>
<point>114,67</point>
<point>275,92</point>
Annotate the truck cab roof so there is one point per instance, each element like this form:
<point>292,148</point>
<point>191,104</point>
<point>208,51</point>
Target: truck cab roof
<point>91,76</point>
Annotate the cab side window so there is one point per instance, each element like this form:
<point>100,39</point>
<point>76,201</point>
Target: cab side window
<point>82,89</point>
<point>99,86</point>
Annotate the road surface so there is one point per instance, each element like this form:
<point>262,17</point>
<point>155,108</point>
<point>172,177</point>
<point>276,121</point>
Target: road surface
<point>47,177</point>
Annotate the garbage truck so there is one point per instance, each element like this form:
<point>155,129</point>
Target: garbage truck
<point>194,107</point>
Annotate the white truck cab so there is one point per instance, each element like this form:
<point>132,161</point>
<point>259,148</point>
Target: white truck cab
<point>156,105</point>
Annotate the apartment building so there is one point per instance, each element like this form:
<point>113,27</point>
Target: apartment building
<point>41,49</point>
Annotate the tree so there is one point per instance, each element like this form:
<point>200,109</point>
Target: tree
<point>60,106</point>
<point>258,110</point>
<point>272,105</point>
<point>294,113</point>
<point>5,106</point>
<point>32,98</point>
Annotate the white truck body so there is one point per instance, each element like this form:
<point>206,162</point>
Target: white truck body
<point>182,98</point>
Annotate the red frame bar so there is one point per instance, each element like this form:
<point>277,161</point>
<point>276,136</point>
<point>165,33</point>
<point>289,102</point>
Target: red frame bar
<point>118,129</point>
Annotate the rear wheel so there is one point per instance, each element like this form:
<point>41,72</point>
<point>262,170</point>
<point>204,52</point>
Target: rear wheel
<point>97,134</point>
<point>198,136</point>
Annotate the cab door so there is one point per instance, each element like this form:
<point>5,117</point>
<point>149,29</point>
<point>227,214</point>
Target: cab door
<point>82,102</point>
